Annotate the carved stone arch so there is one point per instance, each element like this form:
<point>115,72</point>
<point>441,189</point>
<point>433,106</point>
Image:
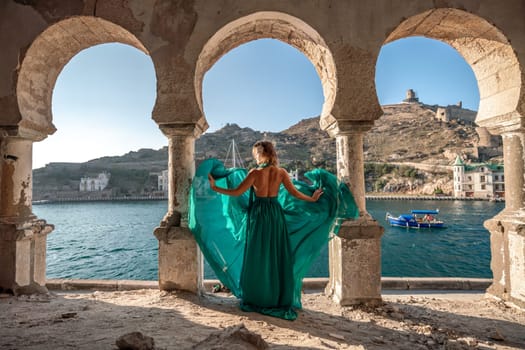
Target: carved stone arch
<point>47,56</point>
<point>484,47</point>
<point>499,77</point>
<point>274,25</point>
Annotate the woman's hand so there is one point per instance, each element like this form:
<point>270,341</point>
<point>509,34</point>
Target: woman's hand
<point>317,193</point>
<point>212,182</point>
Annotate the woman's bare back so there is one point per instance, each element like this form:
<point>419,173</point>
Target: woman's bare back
<point>267,181</point>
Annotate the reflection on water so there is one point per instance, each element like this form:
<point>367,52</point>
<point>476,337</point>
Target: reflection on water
<point>115,240</point>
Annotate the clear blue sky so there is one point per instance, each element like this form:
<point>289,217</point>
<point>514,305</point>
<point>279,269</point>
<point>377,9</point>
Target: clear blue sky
<point>104,96</point>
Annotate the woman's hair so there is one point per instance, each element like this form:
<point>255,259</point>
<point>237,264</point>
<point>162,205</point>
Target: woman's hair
<point>267,149</point>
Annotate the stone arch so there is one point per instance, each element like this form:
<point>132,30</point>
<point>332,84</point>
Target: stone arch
<point>49,53</point>
<point>483,46</point>
<point>499,75</point>
<point>274,25</point>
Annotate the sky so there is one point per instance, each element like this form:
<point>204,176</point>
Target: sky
<point>103,98</point>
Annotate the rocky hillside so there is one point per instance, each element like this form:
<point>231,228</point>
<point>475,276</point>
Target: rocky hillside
<point>299,146</point>
<point>408,150</point>
<point>411,133</point>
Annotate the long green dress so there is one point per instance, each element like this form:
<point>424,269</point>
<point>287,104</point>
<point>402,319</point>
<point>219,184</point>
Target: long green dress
<point>267,281</point>
<point>261,248</point>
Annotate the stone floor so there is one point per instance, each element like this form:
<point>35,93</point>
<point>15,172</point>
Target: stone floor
<point>419,320</point>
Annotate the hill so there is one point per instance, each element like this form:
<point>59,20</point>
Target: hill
<point>408,150</point>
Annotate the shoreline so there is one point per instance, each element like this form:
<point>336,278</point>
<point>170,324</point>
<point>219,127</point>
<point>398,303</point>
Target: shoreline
<point>106,199</point>
<point>432,198</point>
<point>159,198</point>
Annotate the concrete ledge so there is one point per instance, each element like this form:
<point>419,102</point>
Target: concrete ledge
<point>310,283</point>
<point>80,284</point>
<point>387,283</point>
<point>434,283</point>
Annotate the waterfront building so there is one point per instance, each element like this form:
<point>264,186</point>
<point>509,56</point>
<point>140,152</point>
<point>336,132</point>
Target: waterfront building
<point>91,184</point>
<point>478,180</point>
<point>162,183</point>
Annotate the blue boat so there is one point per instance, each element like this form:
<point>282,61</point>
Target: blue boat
<point>416,219</point>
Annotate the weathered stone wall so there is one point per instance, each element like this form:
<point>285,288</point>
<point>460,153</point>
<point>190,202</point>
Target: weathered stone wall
<point>443,114</point>
<point>174,33</point>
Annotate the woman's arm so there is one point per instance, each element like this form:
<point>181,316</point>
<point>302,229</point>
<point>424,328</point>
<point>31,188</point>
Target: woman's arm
<point>246,184</point>
<point>294,192</point>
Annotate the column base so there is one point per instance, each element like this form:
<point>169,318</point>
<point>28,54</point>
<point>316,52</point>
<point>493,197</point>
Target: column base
<point>32,288</point>
<point>23,258</point>
<point>180,262</point>
<point>355,263</point>
<point>507,244</point>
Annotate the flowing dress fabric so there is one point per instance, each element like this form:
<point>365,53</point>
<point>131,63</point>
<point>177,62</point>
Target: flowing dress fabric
<point>267,281</point>
<point>254,241</point>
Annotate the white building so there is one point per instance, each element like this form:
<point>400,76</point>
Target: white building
<point>294,174</point>
<point>480,180</point>
<point>89,184</point>
<point>162,183</point>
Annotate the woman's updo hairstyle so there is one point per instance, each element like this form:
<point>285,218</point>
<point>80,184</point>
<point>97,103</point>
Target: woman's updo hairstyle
<point>267,150</point>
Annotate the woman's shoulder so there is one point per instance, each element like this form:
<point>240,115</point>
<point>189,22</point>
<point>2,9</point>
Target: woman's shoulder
<point>280,170</point>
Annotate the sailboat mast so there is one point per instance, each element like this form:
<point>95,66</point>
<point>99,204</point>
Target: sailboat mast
<point>236,159</point>
<point>233,153</point>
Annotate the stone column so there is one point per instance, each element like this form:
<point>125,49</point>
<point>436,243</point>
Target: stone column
<point>22,235</point>
<point>355,253</point>
<point>507,229</point>
<point>180,261</point>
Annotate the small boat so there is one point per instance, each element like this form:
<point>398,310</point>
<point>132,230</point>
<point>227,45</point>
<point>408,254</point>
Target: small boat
<point>416,219</point>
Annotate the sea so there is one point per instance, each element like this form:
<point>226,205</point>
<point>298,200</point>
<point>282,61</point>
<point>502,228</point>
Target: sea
<point>114,240</point>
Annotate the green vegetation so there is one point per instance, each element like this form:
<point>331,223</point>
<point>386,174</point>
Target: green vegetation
<point>376,170</point>
<point>378,174</point>
<point>406,171</point>
<point>378,185</point>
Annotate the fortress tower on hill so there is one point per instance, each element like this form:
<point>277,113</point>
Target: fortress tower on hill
<point>411,97</point>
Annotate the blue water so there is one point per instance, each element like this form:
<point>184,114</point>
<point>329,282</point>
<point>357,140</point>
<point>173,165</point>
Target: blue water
<point>114,240</point>
<point>460,250</point>
<point>106,240</point>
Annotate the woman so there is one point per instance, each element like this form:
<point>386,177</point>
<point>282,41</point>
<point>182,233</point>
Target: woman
<point>261,245</point>
<point>267,255</point>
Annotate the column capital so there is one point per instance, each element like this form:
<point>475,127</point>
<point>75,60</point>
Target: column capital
<point>507,220</point>
<point>363,228</point>
<point>13,231</point>
<point>348,127</point>
<point>503,124</point>
<point>182,129</point>
<point>25,130</point>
